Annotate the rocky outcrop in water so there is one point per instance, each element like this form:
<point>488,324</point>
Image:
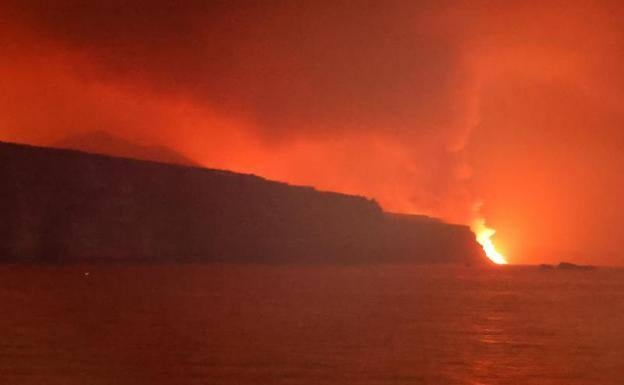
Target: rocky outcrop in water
<point>567,266</point>
<point>59,205</point>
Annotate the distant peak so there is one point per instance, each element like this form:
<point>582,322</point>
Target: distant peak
<point>102,142</point>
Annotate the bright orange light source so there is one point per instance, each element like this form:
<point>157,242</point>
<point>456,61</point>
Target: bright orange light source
<point>484,237</point>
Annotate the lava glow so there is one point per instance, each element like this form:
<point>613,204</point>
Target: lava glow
<point>484,236</point>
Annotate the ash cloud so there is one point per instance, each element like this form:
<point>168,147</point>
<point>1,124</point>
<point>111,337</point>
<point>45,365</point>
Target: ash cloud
<point>288,67</point>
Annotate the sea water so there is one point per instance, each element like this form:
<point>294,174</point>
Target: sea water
<point>309,324</point>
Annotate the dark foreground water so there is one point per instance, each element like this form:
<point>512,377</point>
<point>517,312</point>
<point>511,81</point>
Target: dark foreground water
<point>203,324</point>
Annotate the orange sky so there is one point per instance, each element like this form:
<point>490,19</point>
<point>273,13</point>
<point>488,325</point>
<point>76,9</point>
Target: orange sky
<point>428,108</point>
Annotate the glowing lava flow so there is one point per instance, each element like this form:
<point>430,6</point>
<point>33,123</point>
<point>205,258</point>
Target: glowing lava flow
<point>484,237</point>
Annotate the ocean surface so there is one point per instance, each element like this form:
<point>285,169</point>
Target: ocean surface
<point>401,324</point>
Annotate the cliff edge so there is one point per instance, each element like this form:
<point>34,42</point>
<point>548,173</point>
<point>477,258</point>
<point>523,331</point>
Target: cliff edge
<point>59,205</point>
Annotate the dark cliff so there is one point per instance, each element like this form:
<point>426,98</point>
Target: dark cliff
<point>58,205</point>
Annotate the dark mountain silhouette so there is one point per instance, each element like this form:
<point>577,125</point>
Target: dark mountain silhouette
<point>60,205</point>
<point>100,142</point>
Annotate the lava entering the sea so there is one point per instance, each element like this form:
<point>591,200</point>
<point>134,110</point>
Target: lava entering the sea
<point>484,236</point>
